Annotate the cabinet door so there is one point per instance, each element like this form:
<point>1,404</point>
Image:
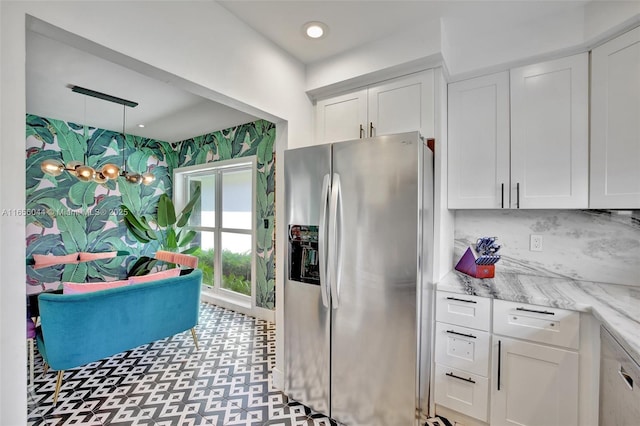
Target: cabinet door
<point>404,104</point>
<point>479,143</point>
<point>615,123</point>
<point>533,384</point>
<point>549,134</point>
<point>341,118</point>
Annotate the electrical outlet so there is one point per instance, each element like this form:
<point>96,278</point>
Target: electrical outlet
<point>535,242</point>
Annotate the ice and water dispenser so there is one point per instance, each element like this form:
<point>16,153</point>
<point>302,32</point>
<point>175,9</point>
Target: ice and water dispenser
<point>303,254</point>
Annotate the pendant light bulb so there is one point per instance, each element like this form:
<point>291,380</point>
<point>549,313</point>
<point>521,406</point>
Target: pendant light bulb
<point>52,167</point>
<point>85,173</point>
<point>148,178</point>
<point>110,171</point>
<point>100,178</point>
<point>135,179</point>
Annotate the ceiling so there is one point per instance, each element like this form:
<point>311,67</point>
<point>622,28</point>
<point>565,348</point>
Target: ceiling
<point>167,112</point>
<point>353,23</point>
<point>172,114</point>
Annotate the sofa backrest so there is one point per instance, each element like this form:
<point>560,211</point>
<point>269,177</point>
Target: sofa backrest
<point>82,328</point>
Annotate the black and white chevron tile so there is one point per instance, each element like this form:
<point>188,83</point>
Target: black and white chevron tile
<point>169,382</point>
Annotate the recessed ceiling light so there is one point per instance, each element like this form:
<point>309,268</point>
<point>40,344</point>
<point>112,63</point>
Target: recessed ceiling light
<point>141,125</point>
<point>315,29</point>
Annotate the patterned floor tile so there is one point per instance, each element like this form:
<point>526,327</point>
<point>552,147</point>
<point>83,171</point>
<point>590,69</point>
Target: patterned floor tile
<point>169,382</point>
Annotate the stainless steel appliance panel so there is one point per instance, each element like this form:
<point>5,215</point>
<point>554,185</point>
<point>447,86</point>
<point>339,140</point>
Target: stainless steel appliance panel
<point>373,372</point>
<point>306,315</point>
<point>619,384</point>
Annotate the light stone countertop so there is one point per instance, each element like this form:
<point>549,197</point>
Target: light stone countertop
<point>616,306</point>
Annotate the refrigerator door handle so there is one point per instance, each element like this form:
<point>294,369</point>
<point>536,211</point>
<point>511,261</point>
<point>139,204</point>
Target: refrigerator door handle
<point>335,239</point>
<point>322,246</point>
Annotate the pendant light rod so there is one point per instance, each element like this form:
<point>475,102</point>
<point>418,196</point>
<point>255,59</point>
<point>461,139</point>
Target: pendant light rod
<point>103,96</point>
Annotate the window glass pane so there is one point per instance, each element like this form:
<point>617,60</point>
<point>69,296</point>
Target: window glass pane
<point>205,240</point>
<point>236,262</point>
<point>204,212</point>
<point>236,199</point>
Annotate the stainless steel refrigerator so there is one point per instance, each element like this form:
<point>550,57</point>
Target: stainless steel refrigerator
<point>357,297</point>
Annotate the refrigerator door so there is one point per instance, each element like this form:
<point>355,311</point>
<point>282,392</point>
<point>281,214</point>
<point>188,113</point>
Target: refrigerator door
<point>306,311</point>
<point>374,320</point>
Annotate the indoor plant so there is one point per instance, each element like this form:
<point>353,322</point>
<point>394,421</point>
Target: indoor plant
<point>168,228</point>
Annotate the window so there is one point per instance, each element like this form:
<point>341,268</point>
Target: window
<point>224,222</point>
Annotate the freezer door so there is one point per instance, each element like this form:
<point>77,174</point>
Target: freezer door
<point>306,315</point>
<point>374,337</point>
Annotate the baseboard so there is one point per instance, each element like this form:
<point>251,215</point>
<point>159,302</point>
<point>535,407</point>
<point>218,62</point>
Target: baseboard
<point>259,313</point>
<point>277,379</point>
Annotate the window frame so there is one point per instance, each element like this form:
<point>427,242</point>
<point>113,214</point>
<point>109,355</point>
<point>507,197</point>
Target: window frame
<point>180,192</point>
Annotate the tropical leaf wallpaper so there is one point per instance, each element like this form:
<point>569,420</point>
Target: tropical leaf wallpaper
<point>64,215</point>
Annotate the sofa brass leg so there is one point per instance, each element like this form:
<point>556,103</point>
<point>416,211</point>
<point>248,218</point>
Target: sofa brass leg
<point>58,385</point>
<point>195,338</point>
<point>46,368</point>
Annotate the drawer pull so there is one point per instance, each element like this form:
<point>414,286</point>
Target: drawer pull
<point>461,334</point>
<point>461,378</point>
<point>461,300</point>
<point>535,311</point>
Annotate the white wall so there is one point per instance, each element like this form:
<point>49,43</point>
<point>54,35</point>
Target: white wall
<point>407,47</point>
<point>601,17</point>
<point>469,45</point>
<point>199,42</point>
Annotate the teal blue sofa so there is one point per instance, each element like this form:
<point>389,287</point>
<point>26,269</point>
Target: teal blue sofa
<point>77,329</point>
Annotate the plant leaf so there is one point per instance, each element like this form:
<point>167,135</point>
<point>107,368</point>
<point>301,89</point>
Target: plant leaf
<point>166,211</point>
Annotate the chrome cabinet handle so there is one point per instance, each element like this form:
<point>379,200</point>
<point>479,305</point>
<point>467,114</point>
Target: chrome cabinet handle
<point>361,131</point>
<point>502,202</point>
<point>518,195</point>
<point>461,334</point>
<point>371,129</point>
<point>461,378</point>
<point>535,311</point>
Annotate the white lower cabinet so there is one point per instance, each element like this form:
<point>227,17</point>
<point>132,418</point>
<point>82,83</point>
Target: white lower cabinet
<point>515,364</point>
<point>462,353</point>
<point>462,391</point>
<point>533,384</point>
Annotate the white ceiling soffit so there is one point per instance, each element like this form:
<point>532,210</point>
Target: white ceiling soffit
<point>168,113</point>
<point>358,22</point>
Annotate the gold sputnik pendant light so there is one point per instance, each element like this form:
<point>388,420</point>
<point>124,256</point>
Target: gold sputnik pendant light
<point>83,171</point>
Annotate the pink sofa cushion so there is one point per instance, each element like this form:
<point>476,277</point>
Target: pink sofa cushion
<point>50,259</point>
<point>185,260</point>
<point>155,276</point>
<point>77,288</point>
<point>84,256</point>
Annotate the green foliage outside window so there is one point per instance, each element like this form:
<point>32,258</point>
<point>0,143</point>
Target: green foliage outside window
<point>236,268</point>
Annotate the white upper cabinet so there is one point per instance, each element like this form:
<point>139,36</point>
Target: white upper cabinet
<point>550,134</point>
<point>404,104</point>
<point>519,139</point>
<point>341,118</point>
<point>479,142</point>
<point>615,123</point>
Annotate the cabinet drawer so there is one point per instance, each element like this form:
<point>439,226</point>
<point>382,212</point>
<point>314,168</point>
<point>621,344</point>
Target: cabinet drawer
<point>537,323</point>
<point>462,348</point>
<point>464,310</point>
<point>462,391</point>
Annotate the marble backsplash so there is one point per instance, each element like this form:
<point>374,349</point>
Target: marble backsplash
<point>589,245</point>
